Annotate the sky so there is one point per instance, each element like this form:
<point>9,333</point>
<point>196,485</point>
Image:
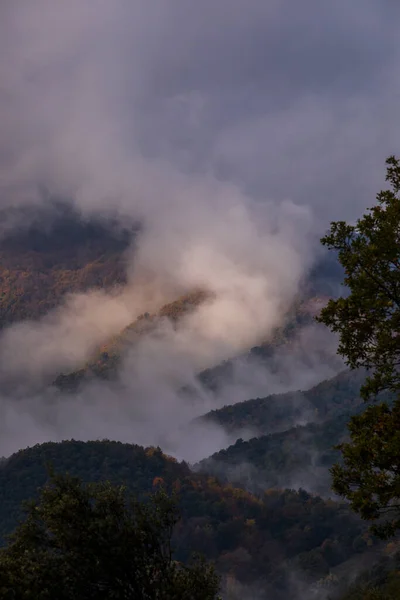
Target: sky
<point>286,100</point>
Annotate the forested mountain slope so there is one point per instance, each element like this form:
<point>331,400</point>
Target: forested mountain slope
<point>381,581</point>
<point>252,538</point>
<point>299,457</point>
<point>108,357</point>
<point>55,254</point>
<point>295,436</point>
<point>257,538</point>
<point>283,411</point>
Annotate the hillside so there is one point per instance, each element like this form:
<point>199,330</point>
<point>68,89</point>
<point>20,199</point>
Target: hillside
<point>107,358</point>
<point>379,582</point>
<point>57,253</point>
<point>283,411</point>
<point>54,251</point>
<point>299,457</point>
<point>25,471</point>
<point>48,251</point>
<point>256,535</point>
<point>251,538</point>
<point>294,436</point>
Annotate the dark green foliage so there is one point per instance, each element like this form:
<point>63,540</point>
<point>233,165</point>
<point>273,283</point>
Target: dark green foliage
<point>249,537</point>
<point>368,323</point>
<point>298,457</point>
<point>381,582</point>
<point>367,592</point>
<point>25,471</point>
<point>295,455</point>
<point>97,542</point>
<point>370,477</point>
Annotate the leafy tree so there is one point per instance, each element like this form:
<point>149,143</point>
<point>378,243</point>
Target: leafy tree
<point>97,542</point>
<point>370,475</point>
<point>368,319</point>
<point>368,323</point>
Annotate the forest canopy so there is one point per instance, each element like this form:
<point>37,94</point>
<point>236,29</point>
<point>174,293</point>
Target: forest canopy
<point>97,542</point>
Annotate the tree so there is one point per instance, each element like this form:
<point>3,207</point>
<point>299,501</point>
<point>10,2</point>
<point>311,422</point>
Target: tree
<point>97,542</point>
<point>370,475</point>
<point>368,323</point>
<point>367,593</point>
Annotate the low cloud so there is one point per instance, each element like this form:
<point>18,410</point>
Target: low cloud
<point>230,132</point>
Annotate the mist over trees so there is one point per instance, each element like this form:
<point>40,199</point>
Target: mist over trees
<point>96,540</point>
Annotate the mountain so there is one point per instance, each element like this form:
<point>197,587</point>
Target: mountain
<point>23,472</point>
<point>295,436</point>
<point>107,358</point>
<point>283,411</point>
<point>296,433</point>
<point>54,251</point>
<point>261,539</point>
<point>299,457</point>
<point>51,250</point>
<point>269,541</point>
<point>57,252</point>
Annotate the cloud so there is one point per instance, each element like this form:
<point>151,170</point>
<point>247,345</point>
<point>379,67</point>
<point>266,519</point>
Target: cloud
<point>157,396</point>
<point>232,130</point>
<point>253,275</point>
<point>33,351</point>
<point>108,101</point>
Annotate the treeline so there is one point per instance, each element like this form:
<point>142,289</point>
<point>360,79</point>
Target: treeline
<point>253,538</point>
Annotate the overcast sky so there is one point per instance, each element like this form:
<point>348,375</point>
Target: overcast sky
<point>287,99</point>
